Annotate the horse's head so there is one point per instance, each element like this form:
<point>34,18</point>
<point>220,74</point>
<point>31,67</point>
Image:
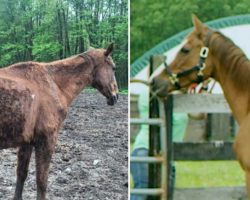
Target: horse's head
<point>104,76</point>
<point>192,64</point>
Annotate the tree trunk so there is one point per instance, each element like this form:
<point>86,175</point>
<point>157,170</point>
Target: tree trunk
<point>60,34</point>
<point>66,35</point>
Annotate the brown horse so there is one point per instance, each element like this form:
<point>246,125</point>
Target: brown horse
<point>34,101</point>
<point>205,54</point>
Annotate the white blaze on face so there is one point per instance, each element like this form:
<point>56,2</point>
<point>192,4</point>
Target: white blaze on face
<point>33,96</point>
<point>114,87</point>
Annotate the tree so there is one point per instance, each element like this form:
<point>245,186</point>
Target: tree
<point>46,30</point>
<point>155,21</point>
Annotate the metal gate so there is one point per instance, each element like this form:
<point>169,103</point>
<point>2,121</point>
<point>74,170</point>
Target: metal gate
<point>158,148</point>
<point>163,151</point>
<point>159,157</point>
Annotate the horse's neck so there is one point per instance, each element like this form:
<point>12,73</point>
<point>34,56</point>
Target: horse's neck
<point>237,100</point>
<point>234,78</point>
<point>71,76</point>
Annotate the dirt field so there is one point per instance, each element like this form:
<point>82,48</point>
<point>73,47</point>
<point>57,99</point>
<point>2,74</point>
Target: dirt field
<point>90,161</point>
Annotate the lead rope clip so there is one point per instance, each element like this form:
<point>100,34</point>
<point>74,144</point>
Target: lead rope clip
<point>173,79</point>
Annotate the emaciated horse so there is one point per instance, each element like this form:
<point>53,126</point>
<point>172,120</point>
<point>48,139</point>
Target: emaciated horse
<point>34,101</point>
<point>205,54</point>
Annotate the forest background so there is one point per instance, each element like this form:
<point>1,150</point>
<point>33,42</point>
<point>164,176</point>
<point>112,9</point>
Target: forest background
<point>47,30</point>
<point>153,21</point>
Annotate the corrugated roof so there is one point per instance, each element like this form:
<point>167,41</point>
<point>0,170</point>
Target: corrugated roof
<point>173,41</point>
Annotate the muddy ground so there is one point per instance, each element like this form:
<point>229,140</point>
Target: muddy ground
<point>90,161</point>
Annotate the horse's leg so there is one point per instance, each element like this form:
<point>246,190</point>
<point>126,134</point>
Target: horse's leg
<point>43,150</point>
<point>242,149</point>
<point>24,155</point>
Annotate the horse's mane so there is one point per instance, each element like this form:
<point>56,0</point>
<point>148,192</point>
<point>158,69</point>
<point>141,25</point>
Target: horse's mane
<point>23,65</point>
<point>232,58</point>
<point>69,65</point>
<point>26,68</point>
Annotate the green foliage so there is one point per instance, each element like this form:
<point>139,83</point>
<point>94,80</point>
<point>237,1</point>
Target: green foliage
<point>44,48</point>
<point>125,91</point>
<point>47,30</point>
<point>154,21</point>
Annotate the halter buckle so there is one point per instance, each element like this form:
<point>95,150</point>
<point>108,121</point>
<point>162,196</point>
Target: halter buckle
<point>173,79</point>
<point>200,73</point>
<point>204,52</point>
<point>202,67</point>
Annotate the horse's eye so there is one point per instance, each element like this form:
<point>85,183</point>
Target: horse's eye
<point>185,50</point>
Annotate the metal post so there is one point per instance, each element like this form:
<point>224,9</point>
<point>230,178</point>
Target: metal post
<point>154,142</point>
<point>169,156</point>
<point>163,136</point>
<point>157,145</point>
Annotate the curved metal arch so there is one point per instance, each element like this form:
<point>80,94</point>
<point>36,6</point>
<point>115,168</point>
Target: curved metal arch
<point>173,41</point>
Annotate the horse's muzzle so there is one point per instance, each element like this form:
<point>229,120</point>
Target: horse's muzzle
<point>112,100</point>
<point>159,87</point>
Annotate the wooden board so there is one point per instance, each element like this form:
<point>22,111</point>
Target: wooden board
<point>197,103</point>
<point>199,151</point>
<point>221,126</point>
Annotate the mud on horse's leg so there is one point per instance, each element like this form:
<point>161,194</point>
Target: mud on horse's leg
<point>43,150</point>
<point>24,155</point>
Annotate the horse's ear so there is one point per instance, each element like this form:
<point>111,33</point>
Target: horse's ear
<point>109,49</point>
<point>199,27</point>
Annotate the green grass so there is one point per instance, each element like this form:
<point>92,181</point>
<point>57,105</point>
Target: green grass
<point>208,174</point>
<point>121,91</point>
<point>90,89</point>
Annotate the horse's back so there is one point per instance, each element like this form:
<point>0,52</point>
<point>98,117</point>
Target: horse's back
<point>30,102</point>
<point>16,110</point>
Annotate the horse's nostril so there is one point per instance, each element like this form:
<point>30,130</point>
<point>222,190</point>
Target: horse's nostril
<point>159,86</point>
<point>114,98</point>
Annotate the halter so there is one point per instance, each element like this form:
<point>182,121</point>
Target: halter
<point>174,77</point>
<point>88,57</point>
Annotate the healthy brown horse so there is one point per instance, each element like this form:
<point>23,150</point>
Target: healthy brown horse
<point>205,54</point>
<point>34,101</point>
